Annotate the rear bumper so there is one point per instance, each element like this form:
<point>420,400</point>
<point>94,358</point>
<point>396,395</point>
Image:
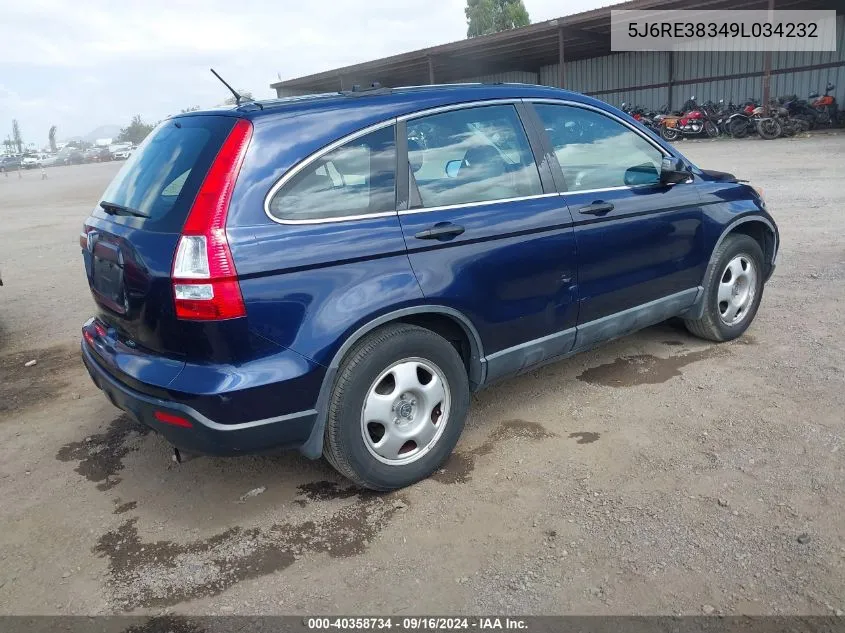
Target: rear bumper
<point>204,436</point>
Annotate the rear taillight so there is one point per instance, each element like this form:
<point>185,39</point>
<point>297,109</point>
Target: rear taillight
<point>205,282</point>
<point>83,236</point>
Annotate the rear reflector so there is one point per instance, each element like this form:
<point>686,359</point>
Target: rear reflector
<point>205,283</point>
<point>175,420</point>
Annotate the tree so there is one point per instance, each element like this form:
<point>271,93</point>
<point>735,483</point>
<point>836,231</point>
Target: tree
<point>16,135</point>
<point>190,109</point>
<point>246,95</point>
<point>135,132</point>
<point>491,16</point>
<point>52,137</point>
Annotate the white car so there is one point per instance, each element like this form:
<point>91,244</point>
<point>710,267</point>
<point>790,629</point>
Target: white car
<point>123,154</point>
<point>48,160</point>
<point>30,161</point>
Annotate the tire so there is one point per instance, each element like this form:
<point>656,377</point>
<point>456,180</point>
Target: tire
<point>716,323</point>
<point>738,128</point>
<point>668,133</point>
<point>369,449</point>
<point>769,129</point>
<point>711,129</point>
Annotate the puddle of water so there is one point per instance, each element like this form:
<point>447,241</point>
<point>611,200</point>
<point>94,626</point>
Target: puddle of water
<point>100,456</point>
<point>585,437</point>
<point>164,573</point>
<point>459,466</point>
<point>644,369</point>
<point>23,387</point>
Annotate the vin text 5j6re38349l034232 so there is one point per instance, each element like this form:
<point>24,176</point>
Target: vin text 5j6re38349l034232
<point>337,273</point>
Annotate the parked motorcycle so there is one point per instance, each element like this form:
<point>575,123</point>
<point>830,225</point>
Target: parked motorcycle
<point>767,125</point>
<point>800,109</point>
<point>827,110</point>
<point>742,122</point>
<point>720,113</point>
<point>695,122</point>
<point>789,124</point>
<point>640,114</point>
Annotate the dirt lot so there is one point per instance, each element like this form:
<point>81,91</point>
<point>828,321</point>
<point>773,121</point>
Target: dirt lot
<point>659,474</point>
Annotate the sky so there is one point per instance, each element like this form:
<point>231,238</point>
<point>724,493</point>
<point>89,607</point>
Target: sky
<point>80,64</point>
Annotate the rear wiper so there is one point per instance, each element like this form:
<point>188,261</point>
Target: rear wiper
<point>118,209</point>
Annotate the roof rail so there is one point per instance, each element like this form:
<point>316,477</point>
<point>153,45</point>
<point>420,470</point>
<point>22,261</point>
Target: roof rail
<point>374,89</point>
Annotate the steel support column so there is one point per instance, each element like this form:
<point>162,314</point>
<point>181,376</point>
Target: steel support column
<point>561,73</point>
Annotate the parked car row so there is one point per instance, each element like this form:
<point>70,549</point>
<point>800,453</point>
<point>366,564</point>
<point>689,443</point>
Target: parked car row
<point>67,156</point>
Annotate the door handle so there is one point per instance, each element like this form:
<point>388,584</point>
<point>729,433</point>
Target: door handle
<point>441,230</point>
<point>597,208</point>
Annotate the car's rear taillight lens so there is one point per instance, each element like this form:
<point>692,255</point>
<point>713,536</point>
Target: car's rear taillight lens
<point>83,236</point>
<point>205,283</point>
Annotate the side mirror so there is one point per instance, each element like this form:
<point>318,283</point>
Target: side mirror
<point>645,174</point>
<point>453,167</point>
<point>673,170</point>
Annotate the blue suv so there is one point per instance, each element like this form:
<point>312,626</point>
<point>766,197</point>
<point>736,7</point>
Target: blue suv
<point>337,273</point>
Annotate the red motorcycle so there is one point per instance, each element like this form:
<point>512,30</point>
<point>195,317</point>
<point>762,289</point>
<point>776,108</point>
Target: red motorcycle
<point>695,122</point>
<point>827,110</point>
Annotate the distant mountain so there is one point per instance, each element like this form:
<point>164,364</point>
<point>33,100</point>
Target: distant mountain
<point>104,131</point>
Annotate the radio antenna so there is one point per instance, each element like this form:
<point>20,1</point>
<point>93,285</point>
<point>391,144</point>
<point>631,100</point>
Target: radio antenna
<point>238,97</point>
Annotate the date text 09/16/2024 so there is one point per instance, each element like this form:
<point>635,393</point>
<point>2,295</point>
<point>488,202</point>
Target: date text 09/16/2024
<point>418,623</point>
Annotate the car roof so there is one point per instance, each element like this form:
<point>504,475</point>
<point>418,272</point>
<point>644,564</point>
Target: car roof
<point>394,101</point>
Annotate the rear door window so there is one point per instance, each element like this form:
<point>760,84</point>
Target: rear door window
<point>471,155</point>
<point>356,179</point>
<point>158,183</point>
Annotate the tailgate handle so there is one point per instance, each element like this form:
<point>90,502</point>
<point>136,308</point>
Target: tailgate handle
<point>440,231</point>
<point>597,208</point>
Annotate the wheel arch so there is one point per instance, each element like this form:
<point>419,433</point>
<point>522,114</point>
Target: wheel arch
<point>761,230</point>
<point>446,321</point>
<point>758,228</point>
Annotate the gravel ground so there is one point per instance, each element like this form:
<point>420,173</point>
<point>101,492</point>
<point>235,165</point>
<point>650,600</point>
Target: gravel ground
<point>659,474</point>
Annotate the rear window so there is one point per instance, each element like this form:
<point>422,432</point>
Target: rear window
<point>160,179</point>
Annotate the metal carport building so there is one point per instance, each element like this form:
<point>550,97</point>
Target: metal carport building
<point>574,52</point>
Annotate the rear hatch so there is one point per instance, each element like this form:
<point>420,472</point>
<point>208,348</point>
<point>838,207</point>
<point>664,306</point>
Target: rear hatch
<point>130,238</point>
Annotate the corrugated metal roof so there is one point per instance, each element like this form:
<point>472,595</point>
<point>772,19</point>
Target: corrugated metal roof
<point>586,35</point>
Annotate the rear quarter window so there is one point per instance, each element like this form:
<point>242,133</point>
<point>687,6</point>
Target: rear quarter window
<point>355,179</point>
